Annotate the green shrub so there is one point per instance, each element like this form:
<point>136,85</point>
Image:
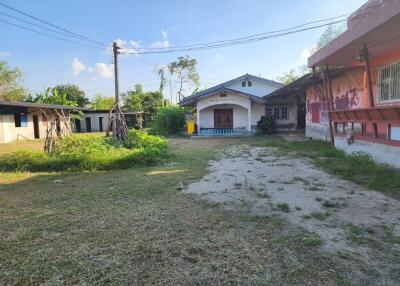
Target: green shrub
<point>89,153</point>
<point>266,124</point>
<point>169,120</point>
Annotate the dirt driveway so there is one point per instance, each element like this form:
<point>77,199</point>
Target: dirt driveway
<point>357,224</point>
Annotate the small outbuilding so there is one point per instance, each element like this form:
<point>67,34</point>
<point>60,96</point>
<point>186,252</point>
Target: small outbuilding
<point>25,120</point>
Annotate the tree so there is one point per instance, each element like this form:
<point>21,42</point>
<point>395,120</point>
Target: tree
<point>133,99</point>
<point>10,88</point>
<point>288,77</point>
<point>183,71</point>
<point>330,33</point>
<point>103,102</point>
<point>73,93</point>
<point>53,96</point>
<point>149,102</point>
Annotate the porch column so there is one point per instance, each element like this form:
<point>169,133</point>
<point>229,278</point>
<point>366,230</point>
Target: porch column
<point>198,121</point>
<point>249,117</point>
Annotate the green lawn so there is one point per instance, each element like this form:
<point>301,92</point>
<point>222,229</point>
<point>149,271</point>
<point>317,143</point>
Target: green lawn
<point>135,226</point>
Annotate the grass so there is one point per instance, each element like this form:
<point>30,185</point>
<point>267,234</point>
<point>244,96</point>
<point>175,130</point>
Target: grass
<point>88,152</point>
<point>284,207</point>
<point>133,226</point>
<point>320,215</point>
<point>357,168</point>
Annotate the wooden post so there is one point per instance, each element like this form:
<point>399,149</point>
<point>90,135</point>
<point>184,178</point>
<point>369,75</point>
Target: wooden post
<point>117,103</point>
<point>328,93</point>
<point>370,88</point>
<point>369,77</point>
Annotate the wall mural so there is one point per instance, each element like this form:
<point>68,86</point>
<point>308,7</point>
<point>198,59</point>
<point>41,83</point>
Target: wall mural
<point>347,94</point>
<point>317,105</point>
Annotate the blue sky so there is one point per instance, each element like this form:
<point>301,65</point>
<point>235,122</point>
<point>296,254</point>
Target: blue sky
<point>47,62</point>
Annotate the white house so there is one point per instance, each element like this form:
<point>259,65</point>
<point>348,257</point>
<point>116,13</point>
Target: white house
<point>237,105</point>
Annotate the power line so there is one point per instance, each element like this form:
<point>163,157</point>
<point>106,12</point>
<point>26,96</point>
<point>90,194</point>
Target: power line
<point>255,35</point>
<point>39,26</point>
<point>239,42</point>
<point>52,25</point>
<point>47,35</point>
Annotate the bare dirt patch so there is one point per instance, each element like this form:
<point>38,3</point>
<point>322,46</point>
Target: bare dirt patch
<point>356,224</point>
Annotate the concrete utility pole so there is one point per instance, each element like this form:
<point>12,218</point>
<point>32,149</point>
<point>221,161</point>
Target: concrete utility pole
<point>117,102</point>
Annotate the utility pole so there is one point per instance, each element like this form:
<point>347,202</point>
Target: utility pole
<point>117,103</point>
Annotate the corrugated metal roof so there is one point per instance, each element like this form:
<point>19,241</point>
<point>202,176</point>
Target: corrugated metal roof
<point>38,105</point>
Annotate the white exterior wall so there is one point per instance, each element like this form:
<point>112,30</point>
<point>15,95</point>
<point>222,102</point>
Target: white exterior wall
<point>239,104</point>
<point>257,110</point>
<point>11,133</point>
<point>257,88</point>
<point>380,153</point>
<point>239,116</point>
<point>1,129</point>
<point>94,120</point>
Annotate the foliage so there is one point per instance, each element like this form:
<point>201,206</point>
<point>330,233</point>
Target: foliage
<point>141,139</point>
<point>169,120</point>
<point>10,88</point>
<point>78,153</point>
<point>53,96</point>
<point>102,102</point>
<point>148,102</point>
<point>266,124</point>
<point>184,71</point>
<point>327,36</point>
<point>288,77</point>
<point>72,93</point>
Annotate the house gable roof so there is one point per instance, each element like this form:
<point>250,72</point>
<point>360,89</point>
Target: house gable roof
<point>223,87</point>
<point>188,101</point>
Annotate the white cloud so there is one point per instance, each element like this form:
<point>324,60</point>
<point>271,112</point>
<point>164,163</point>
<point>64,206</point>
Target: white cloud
<point>217,56</point>
<point>162,44</point>
<point>130,46</point>
<point>103,70</point>
<point>4,54</point>
<point>77,66</point>
<point>306,53</point>
<point>90,69</point>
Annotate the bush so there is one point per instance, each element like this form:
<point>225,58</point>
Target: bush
<point>266,124</point>
<point>89,153</point>
<point>169,120</point>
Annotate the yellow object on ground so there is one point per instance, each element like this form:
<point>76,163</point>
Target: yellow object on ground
<point>190,127</point>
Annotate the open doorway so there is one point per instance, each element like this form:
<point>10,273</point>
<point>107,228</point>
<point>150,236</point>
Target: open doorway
<point>88,124</point>
<point>36,132</point>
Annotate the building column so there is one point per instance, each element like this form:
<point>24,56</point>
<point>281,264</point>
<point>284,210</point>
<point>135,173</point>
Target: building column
<point>198,121</point>
<point>249,117</point>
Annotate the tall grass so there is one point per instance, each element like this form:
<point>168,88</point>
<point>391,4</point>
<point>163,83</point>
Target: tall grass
<point>79,153</point>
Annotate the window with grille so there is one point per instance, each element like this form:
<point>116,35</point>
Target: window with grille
<point>284,114</point>
<point>389,82</point>
<point>276,113</point>
<point>249,83</point>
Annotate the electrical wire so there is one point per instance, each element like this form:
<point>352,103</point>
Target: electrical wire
<point>241,42</point>
<point>52,25</point>
<point>48,35</point>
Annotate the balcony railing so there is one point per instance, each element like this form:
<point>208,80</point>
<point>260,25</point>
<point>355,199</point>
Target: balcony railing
<point>374,124</point>
<point>223,132</point>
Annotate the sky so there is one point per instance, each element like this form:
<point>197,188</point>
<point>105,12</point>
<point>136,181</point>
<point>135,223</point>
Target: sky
<point>142,24</point>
